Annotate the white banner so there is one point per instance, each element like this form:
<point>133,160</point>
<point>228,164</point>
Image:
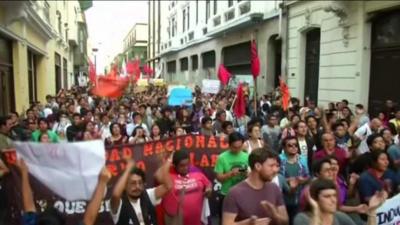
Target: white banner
<point>389,212</point>
<point>70,170</point>
<point>211,86</point>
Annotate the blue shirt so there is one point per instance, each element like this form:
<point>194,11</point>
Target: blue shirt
<point>302,162</point>
<point>369,185</point>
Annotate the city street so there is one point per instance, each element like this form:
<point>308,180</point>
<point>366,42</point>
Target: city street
<point>199,112</point>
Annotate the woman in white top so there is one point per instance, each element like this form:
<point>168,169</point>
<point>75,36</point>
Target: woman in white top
<point>254,140</point>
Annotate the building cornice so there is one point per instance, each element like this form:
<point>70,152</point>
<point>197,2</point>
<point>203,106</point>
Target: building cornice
<point>44,29</point>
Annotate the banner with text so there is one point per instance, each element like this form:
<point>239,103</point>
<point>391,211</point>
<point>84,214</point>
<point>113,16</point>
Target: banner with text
<point>389,212</point>
<point>203,150</point>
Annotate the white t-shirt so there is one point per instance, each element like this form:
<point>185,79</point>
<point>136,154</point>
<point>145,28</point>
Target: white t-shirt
<point>303,147</point>
<point>362,133</point>
<point>136,207</point>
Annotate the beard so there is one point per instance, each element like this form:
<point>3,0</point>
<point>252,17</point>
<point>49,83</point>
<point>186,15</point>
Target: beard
<point>266,178</point>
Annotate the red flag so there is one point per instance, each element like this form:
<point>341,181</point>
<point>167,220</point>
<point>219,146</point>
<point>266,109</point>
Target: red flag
<point>92,72</point>
<point>255,61</point>
<point>109,86</point>
<point>133,69</point>
<point>240,104</point>
<point>284,93</point>
<point>113,72</point>
<point>148,70</point>
<point>223,74</point>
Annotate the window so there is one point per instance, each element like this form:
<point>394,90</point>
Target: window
<point>208,59</point>
<point>184,64</point>
<point>32,77</point>
<point>184,20</point>
<point>195,62</point>
<point>65,73</point>
<point>171,66</point>
<point>66,31</point>
<point>230,3</point>
<point>7,96</point>
<point>215,7</point>
<point>207,10</point>
<point>197,11</point>
<point>59,23</point>
<point>46,11</point>
<point>173,26</point>
<point>57,58</point>
<point>188,17</point>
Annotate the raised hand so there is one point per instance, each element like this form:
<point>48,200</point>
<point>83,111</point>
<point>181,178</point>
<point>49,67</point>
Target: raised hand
<point>269,207</point>
<point>130,162</point>
<point>105,175</point>
<point>22,167</point>
<point>362,209</point>
<point>377,200</point>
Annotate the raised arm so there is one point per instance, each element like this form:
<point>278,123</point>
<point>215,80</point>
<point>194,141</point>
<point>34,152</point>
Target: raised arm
<point>163,176</point>
<point>27,196</point>
<point>120,186</point>
<point>89,218</point>
<point>375,202</point>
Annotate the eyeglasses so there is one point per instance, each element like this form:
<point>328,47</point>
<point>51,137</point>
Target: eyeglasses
<point>292,145</point>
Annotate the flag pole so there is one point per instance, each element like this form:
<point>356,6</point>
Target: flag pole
<point>255,78</point>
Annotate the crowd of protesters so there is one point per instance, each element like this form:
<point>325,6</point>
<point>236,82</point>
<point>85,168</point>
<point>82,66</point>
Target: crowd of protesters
<point>306,165</point>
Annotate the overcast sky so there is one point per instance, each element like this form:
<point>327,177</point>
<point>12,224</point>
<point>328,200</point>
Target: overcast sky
<point>108,23</point>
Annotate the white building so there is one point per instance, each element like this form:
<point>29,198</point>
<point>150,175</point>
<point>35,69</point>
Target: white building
<point>327,50</point>
<point>196,36</point>
<point>344,50</point>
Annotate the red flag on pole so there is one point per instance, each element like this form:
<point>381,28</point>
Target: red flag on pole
<point>148,70</point>
<point>284,93</point>
<point>223,74</point>
<point>240,104</point>
<point>109,86</point>
<point>133,69</point>
<point>255,60</point>
<point>92,72</point>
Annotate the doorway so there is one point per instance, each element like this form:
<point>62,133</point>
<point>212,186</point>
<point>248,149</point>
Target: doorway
<point>385,61</point>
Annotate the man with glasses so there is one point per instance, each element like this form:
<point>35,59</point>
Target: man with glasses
<point>295,170</point>
<point>131,202</point>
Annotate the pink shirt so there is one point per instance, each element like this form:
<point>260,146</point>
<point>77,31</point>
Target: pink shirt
<point>193,186</point>
<point>339,153</point>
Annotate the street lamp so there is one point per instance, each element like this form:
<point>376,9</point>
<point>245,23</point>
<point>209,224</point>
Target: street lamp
<point>95,63</point>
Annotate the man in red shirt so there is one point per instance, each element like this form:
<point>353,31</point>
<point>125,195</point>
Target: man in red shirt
<point>330,148</point>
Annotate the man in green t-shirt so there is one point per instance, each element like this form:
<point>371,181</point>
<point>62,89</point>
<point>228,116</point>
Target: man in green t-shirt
<point>231,166</point>
<point>44,128</point>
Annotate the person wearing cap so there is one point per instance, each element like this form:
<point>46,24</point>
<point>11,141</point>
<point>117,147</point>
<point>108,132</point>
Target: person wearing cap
<point>232,165</point>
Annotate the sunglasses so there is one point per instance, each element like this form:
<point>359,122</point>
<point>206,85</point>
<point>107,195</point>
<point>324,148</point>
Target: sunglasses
<point>292,145</point>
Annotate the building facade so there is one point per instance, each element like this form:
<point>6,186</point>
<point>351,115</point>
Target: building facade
<point>38,41</point>
<point>344,50</point>
<point>327,50</point>
<point>154,33</point>
<point>135,43</point>
<point>197,36</point>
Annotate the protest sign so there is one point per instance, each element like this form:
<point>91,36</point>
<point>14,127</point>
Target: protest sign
<point>210,86</point>
<point>58,165</point>
<point>180,96</point>
<point>158,82</point>
<point>203,150</point>
<point>389,212</point>
<point>142,83</point>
